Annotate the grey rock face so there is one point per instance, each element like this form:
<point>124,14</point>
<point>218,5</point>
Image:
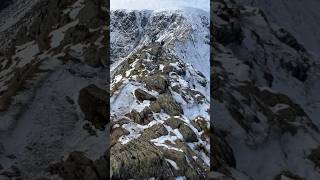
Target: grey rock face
<point>141,95</point>
<point>188,133</point>
<point>138,159</point>
<point>156,83</point>
<point>260,97</point>
<point>168,104</point>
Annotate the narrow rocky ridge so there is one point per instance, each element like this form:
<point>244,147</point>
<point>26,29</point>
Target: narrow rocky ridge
<point>159,104</point>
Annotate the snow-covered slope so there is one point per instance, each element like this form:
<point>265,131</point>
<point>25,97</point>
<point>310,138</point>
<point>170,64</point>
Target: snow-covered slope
<point>160,94</point>
<point>266,107</point>
<point>52,68</point>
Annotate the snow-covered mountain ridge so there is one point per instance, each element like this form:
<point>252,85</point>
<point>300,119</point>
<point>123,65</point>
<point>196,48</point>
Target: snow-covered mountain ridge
<point>171,26</point>
<point>160,94</point>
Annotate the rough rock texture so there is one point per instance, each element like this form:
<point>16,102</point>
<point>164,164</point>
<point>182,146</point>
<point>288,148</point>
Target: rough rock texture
<point>53,98</point>
<point>264,97</point>
<point>93,103</point>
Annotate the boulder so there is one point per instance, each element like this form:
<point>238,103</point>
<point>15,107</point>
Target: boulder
<point>155,107</point>
<point>135,116</point>
<point>142,95</point>
<point>138,159</point>
<point>182,163</point>
<point>77,166</point>
<point>156,83</point>
<point>142,117</point>
<point>199,123</point>
<point>314,156</point>
<point>187,133</point>
<point>93,103</point>
<point>154,132</point>
<point>168,104</point>
<point>174,123</point>
<point>116,133</point>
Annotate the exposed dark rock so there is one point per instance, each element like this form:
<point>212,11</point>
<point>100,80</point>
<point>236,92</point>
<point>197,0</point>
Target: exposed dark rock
<point>76,34</point>
<point>146,115</point>
<point>102,166</point>
<point>288,39</point>
<point>12,173</point>
<point>199,123</point>
<point>154,132</point>
<point>314,156</point>
<point>223,156</point>
<point>184,167</point>
<point>120,121</point>
<point>288,175</point>
<point>70,100</point>
<point>142,95</point>
<point>116,133</point>
<point>155,107</point>
<point>94,56</point>
<point>187,133</point>
<point>174,123</point>
<point>11,156</point>
<point>135,116</point>
<point>90,130</point>
<point>138,159</point>
<point>93,103</point>
<point>156,82</point>
<point>77,166</point>
<point>168,104</point>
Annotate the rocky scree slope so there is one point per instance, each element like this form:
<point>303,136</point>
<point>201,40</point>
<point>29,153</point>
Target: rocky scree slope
<point>159,98</point>
<point>53,70</point>
<point>264,95</point>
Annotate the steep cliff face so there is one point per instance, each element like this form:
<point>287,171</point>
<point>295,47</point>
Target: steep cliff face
<point>52,71</point>
<point>265,105</point>
<point>301,18</point>
<point>159,94</point>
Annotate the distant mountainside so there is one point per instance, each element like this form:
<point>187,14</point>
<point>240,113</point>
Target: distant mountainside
<point>266,107</point>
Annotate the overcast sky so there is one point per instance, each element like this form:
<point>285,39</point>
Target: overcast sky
<point>159,4</point>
